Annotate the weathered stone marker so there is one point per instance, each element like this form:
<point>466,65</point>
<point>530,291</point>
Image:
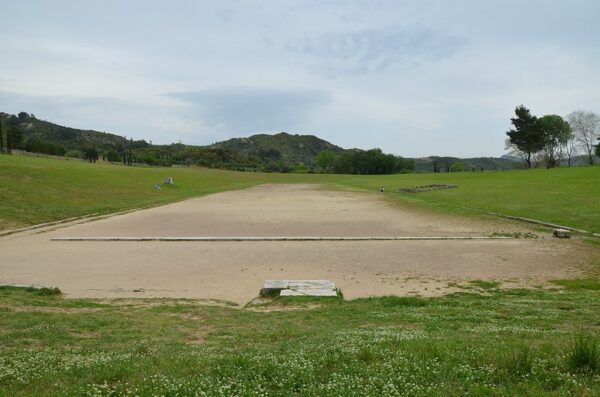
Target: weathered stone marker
<point>561,233</point>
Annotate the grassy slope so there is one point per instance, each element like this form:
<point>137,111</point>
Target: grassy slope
<point>72,188</point>
<point>507,343</point>
<point>35,190</point>
<point>565,195</point>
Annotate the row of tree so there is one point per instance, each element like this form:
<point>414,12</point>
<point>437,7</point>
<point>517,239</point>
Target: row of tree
<point>11,137</point>
<point>361,162</point>
<point>552,140</point>
<point>36,145</point>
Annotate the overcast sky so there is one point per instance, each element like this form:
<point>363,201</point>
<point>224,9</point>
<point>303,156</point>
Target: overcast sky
<point>415,78</point>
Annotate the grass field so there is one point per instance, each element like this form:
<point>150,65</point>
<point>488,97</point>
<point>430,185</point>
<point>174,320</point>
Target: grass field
<point>485,341</point>
<point>564,195</point>
<point>35,190</point>
<point>515,342</point>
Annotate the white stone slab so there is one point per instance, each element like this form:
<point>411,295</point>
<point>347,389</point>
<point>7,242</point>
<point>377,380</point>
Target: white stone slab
<point>561,233</point>
<point>311,284</point>
<point>308,292</point>
<point>290,292</point>
<point>276,284</point>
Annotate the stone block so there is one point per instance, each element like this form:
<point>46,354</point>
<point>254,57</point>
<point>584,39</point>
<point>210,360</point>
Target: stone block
<point>561,233</point>
<point>308,292</point>
<point>276,284</point>
<point>311,284</point>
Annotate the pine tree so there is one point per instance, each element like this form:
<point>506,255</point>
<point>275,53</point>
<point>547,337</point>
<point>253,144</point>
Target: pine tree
<point>526,135</point>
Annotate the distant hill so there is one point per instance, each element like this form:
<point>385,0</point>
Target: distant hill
<point>291,149</point>
<point>282,152</point>
<point>426,164</point>
<point>70,138</point>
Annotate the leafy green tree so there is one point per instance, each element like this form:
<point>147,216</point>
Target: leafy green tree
<point>8,129</point>
<point>91,154</point>
<point>112,155</point>
<point>343,164</point>
<point>457,167</point>
<point>325,160</point>
<point>267,154</point>
<point>404,165</point>
<point>36,145</point>
<point>1,135</point>
<point>14,138</point>
<point>557,133</point>
<point>526,135</point>
<point>370,162</point>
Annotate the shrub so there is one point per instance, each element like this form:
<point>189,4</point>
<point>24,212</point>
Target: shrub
<point>74,154</point>
<point>518,362</point>
<point>583,356</point>
<point>44,291</point>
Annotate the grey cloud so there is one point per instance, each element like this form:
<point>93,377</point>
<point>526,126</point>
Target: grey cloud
<point>375,50</point>
<point>244,110</point>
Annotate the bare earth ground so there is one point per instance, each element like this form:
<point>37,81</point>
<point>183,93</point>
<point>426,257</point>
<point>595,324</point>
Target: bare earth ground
<point>235,271</point>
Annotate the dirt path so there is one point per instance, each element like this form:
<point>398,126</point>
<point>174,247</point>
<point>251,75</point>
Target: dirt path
<point>235,271</point>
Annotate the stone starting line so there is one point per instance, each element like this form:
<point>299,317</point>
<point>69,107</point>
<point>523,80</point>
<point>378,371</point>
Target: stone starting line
<point>225,239</point>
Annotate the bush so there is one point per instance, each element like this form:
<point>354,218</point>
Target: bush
<point>48,291</point>
<point>518,362</point>
<point>113,156</point>
<point>584,356</point>
<point>43,291</point>
<point>74,154</point>
<point>36,145</point>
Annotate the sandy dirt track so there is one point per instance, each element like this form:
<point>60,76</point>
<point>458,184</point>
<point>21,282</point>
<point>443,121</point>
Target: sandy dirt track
<point>235,271</point>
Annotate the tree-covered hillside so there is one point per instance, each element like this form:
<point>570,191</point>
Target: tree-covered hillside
<point>292,149</point>
<point>34,131</point>
<point>280,152</point>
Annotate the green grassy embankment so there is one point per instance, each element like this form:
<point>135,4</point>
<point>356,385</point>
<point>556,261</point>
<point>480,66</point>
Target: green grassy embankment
<point>503,342</point>
<point>514,342</point>
<point>566,196</point>
<point>36,190</point>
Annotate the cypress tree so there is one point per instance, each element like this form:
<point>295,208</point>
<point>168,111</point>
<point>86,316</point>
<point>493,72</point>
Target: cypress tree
<point>1,137</point>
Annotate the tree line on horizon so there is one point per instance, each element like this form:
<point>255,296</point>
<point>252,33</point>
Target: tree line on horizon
<point>25,132</point>
<point>547,141</point>
<point>551,140</point>
<point>363,162</point>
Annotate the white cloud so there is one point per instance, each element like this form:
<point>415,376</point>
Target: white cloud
<point>375,50</point>
<point>415,78</point>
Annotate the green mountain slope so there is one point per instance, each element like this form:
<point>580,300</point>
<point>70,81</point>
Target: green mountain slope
<point>280,152</point>
<point>291,149</point>
<point>70,138</point>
